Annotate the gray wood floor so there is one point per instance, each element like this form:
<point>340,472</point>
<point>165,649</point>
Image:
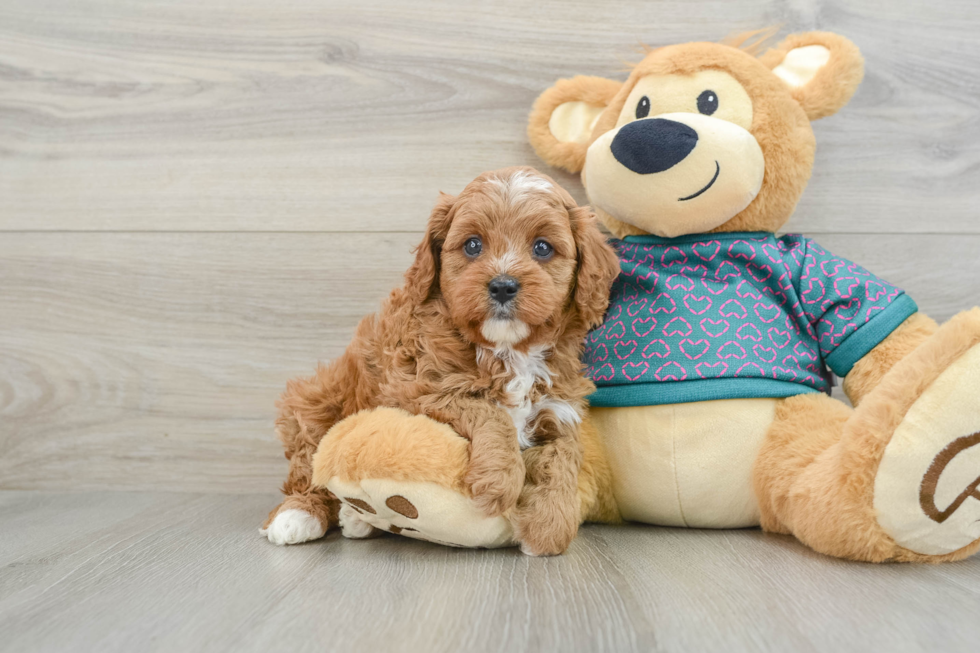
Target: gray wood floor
<point>200,198</point>
<point>114,571</point>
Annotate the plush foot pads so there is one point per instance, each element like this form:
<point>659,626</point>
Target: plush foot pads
<point>927,491</point>
<point>423,511</point>
<point>400,473</point>
<point>927,486</point>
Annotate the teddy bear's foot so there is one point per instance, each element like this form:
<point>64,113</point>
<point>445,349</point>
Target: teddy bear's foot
<point>423,511</point>
<point>895,479</point>
<point>927,487</point>
<point>403,474</point>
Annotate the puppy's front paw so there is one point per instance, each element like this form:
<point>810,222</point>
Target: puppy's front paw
<point>293,526</point>
<point>495,489</point>
<point>545,529</point>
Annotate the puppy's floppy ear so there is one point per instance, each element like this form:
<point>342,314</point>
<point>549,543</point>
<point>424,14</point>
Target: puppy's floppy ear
<point>822,70</point>
<point>423,277</point>
<point>561,122</point>
<point>598,266</point>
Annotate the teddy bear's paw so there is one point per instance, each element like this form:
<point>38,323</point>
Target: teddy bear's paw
<point>293,526</point>
<point>927,488</point>
<point>420,510</point>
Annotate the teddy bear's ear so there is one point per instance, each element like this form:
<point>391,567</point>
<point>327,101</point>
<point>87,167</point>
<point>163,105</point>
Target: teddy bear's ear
<point>562,119</point>
<point>821,68</point>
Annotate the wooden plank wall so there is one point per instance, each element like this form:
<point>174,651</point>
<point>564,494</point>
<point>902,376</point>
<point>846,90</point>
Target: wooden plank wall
<point>198,200</point>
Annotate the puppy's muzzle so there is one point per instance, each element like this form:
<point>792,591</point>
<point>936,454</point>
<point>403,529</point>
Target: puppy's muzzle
<point>503,289</point>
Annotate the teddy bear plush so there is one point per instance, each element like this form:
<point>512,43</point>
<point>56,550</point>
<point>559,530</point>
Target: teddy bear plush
<point>714,363</point>
<point>716,358</point>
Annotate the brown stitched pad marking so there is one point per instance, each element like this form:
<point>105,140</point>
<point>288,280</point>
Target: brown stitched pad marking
<point>927,491</point>
<point>363,505</point>
<point>402,506</point>
<point>394,529</point>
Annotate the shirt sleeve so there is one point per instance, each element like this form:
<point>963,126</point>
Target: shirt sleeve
<point>849,309</point>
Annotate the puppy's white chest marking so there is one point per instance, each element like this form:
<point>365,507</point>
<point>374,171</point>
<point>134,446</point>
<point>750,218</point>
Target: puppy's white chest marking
<point>526,371</point>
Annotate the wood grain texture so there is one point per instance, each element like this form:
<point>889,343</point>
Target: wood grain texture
<point>146,326</point>
<point>153,360</point>
<point>182,572</point>
<point>339,116</point>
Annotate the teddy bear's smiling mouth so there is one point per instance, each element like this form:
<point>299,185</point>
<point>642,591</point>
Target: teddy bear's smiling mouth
<point>710,184</point>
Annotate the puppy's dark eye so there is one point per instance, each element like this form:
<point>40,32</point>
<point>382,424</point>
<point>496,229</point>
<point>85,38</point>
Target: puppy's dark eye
<point>543,249</point>
<point>473,247</point>
<point>707,103</point>
<point>643,107</point>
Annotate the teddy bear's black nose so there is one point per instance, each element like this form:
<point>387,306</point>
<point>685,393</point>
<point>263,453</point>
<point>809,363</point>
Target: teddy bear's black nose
<point>653,145</point>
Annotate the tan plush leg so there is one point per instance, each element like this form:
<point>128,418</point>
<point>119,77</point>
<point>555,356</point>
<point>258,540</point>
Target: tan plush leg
<point>404,474</point>
<point>595,479</point>
<point>896,478</point>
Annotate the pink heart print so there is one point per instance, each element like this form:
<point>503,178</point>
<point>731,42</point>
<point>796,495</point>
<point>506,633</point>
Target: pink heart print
<point>648,324</point>
<point>711,370</point>
<point>753,370</point>
<point>733,308</point>
<point>744,289</point>
<point>714,328</point>
<point>732,349</point>
<point>663,304</point>
<point>765,307</point>
<point>741,249</point>
<point>624,349</point>
<point>694,349</point>
<point>707,251</point>
<point>778,338</point>
<point>682,328</point>
<point>616,331</point>
<point>605,373</point>
<point>697,304</point>
<point>673,256</point>
<point>767,313</point>
<point>676,281</point>
<point>714,287</point>
<point>634,371</point>
<point>748,331</point>
<point>596,356</point>
<point>727,270</point>
<point>760,273</point>
<point>672,371</point>
<point>765,354</point>
<point>658,348</point>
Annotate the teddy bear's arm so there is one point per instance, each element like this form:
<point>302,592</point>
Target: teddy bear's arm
<point>869,370</point>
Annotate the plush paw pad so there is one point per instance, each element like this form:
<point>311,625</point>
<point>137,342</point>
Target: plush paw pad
<point>424,511</point>
<point>293,526</point>
<point>927,490</point>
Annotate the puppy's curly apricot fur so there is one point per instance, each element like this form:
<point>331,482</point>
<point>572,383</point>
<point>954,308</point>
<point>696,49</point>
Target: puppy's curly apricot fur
<point>500,376</point>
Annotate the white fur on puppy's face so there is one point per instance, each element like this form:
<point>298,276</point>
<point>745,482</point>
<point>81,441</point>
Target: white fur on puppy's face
<point>503,331</point>
<point>509,214</point>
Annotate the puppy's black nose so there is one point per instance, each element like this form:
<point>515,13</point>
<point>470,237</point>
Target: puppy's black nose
<point>503,288</point>
<point>653,145</point>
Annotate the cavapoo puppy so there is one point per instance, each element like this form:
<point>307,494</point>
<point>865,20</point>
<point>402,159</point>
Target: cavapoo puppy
<point>485,336</point>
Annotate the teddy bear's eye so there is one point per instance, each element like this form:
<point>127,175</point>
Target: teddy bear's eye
<point>707,103</point>
<point>643,107</point>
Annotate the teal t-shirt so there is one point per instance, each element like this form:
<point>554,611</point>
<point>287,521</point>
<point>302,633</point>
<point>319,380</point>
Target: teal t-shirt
<point>737,315</point>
